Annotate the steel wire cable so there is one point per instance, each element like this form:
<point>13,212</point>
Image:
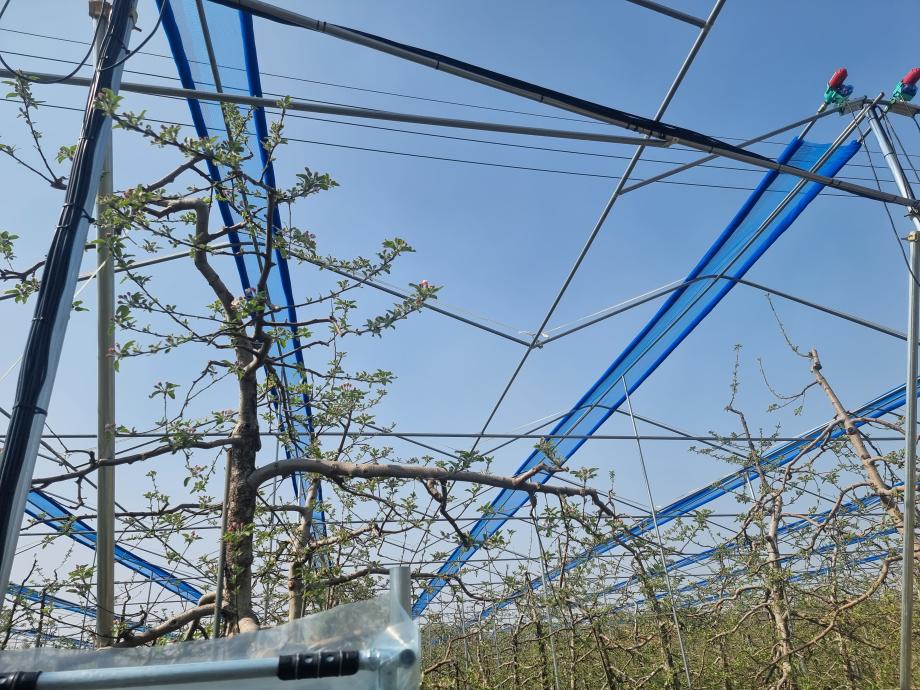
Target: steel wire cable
<point>893,131</point>
<point>891,223</point>
<point>510,166</point>
<point>22,75</point>
<point>455,137</point>
<point>131,53</point>
<point>363,89</point>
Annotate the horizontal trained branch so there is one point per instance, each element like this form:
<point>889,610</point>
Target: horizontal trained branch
<point>349,470</point>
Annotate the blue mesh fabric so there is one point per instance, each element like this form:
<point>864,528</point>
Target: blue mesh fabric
<point>233,41</point>
<point>804,575</point>
<point>30,594</point>
<point>786,530</point>
<point>784,454</point>
<point>740,245</point>
<point>41,506</point>
<point>228,29</point>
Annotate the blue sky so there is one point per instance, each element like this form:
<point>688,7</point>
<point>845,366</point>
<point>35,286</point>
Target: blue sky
<point>501,240</point>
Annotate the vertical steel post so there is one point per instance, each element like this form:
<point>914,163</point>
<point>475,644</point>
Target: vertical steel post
<point>105,387</point>
<point>910,416</point>
<point>400,606</point>
<point>400,593</point>
<point>42,352</point>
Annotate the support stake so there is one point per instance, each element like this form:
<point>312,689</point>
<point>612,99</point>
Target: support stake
<point>105,387</point>
<point>910,415</point>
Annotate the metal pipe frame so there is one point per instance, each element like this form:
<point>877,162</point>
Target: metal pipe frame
<point>910,416</point>
<point>605,212</point>
<point>849,106</point>
<point>624,140</point>
<point>787,199</point>
<point>46,335</point>
<point>105,386</point>
<point>349,111</point>
<point>672,287</point>
<point>594,111</point>
<point>202,672</point>
<point>670,12</point>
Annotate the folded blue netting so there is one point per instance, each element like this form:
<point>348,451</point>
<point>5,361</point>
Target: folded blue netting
<point>48,637</point>
<point>784,531</point>
<point>41,506</point>
<point>783,455</point>
<point>233,41</point>
<point>740,245</point>
<point>45,599</point>
<point>815,572</point>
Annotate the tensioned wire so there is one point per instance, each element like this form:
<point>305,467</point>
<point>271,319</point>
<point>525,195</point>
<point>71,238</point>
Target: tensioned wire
<point>506,502</point>
<point>507,166</point>
<point>485,142</point>
<point>891,223</point>
<point>360,89</point>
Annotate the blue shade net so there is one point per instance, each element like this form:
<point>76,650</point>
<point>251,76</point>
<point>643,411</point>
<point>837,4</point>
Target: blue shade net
<point>49,600</point>
<point>849,562</point>
<point>845,559</point>
<point>42,507</point>
<point>233,43</point>
<point>780,456</point>
<point>749,234</point>
<point>783,532</point>
<point>58,640</point>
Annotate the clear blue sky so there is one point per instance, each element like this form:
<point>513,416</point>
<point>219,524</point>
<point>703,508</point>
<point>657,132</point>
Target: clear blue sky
<point>501,240</point>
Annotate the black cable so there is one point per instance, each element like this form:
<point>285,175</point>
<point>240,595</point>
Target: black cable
<point>327,83</point>
<point>59,79</point>
<point>490,164</point>
<point>66,243</point>
<point>132,53</point>
<point>386,93</point>
<point>82,63</point>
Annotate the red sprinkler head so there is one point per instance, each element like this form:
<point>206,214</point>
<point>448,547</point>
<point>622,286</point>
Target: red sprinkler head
<point>837,79</point>
<point>912,77</point>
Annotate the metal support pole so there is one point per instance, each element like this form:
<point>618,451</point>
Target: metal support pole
<point>600,113</point>
<point>664,560</point>
<point>670,12</point>
<point>910,416</point>
<point>400,593</point>
<point>910,469</point>
<point>105,387</point>
<point>400,606</point>
<point>43,348</point>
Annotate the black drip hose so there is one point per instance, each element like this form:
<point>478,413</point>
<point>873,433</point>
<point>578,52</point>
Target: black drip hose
<point>64,250</point>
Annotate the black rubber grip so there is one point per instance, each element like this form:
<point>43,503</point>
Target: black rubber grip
<point>19,680</point>
<point>316,665</point>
